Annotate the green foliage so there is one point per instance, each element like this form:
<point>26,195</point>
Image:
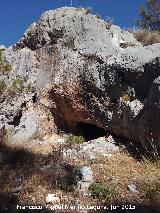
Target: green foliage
<point>70,43</point>
<point>2,87</point>
<point>30,88</point>
<point>72,179</point>
<point>17,84</point>
<point>16,87</point>
<point>4,66</point>
<point>73,140</point>
<point>150,15</point>
<point>19,46</point>
<point>102,192</point>
<point>69,182</point>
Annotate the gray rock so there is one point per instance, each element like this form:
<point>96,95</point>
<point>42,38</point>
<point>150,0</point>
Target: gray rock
<point>27,128</point>
<point>87,174</point>
<point>76,69</point>
<point>86,180</point>
<point>132,188</point>
<point>91,149</point>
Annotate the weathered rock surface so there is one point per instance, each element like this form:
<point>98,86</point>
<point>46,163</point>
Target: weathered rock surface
<point>86,179</point>
<point>92,149</point>
<point>73,68</point>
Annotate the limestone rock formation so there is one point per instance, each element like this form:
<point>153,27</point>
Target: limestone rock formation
<point>100,147</point>
<point>72,68</point>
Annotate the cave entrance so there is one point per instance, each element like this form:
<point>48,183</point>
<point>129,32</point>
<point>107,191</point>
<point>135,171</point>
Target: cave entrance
<point>89,131</point>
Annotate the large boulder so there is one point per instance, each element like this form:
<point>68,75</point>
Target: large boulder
<point>75,68</point>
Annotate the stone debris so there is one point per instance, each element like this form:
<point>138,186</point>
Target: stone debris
<point>52,199</point>
<point>91,149</point>
<point>86,180</point>
<point>87,174</point>
<point>132,188</point>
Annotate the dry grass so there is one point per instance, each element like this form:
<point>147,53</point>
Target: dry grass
<point>147,38</point>
<point>122,170</point>
<point>31,176</point>
<point>126,97</point>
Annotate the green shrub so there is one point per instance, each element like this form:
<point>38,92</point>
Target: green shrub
<point>4,66</point>
<point>68,182</point>
<point>102,192</point>
<point>70,43</point>
<point>2,87</point>
<point>17,83</point>
<point>72,179</point>
<point>19,46</point>
<point>73,140</point>
<point>149,15</point>
<point>30,88</point>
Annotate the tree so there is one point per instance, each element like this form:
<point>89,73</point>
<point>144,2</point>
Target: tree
<point>150,15</point>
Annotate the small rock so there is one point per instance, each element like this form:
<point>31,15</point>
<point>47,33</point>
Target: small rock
<point>83,185</point>
<point>46,167</point>
<point>87,174</point>
<point>132,188</point>
<point>113,178</point>
<point>110,139</point>
<point>90,149</point>
<point>17,190</point>
<point>86,180</point>
<point>59,141</point>
<point>52,199</point>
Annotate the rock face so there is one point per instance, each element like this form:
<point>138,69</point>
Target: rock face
<point>100,147</point>
<point>71,67</point>
<point>86,179</point>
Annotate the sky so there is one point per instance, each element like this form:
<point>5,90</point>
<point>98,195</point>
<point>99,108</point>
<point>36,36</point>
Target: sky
<point>17,15</point>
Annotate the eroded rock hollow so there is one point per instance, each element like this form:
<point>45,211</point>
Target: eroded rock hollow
<point>72,69</point>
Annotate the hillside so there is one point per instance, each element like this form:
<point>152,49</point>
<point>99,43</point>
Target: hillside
<point>79,115</point>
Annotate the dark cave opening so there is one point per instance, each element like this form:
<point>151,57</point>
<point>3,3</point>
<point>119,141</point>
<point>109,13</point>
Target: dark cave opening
<point>89,131</point>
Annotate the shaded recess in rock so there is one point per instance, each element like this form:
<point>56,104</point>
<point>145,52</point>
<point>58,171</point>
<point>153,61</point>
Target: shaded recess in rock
<point>34,98</point>
<point>89,131</point>
<point>17,118</point>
